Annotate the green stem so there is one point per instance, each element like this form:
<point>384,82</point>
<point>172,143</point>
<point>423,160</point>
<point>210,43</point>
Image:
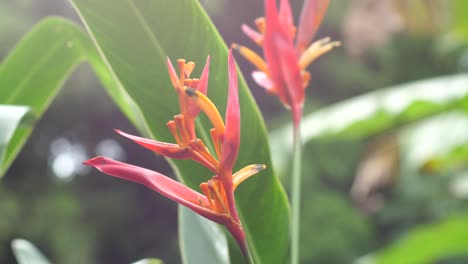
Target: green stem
<point>247,255</point>
<point>296,196</point>
<point>239,235</point>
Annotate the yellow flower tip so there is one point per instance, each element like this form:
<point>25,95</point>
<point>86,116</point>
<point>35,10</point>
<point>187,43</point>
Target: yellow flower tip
<point>173,129</point>
<point>219,203</point>
<point>252,57</point>
<point>261,24</point>
<point>246,173</point>
<point>305,75</point>
<point>315,50</point>
<point>182,129</point>
<point>181,65</point>
<point>293,32</point>
<point>206,191</point>
<point>189,68</point>
<point>208,108</point>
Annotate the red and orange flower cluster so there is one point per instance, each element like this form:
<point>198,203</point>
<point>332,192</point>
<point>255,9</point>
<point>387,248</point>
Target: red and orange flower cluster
<point>287,54</point>
<point>283,72</point>
<point>216,202</point>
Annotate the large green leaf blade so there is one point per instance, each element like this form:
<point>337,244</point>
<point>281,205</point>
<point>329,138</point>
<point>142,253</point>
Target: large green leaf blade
<point>426,244</point>
<point>201,240</point>
<point>37,67</point>
<point>376,112</point>
<point>134,38</point>
<point>34,71</point>
<point>440,156</point>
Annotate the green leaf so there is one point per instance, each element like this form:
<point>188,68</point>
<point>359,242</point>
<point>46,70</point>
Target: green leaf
<point>35,70</point>
<point>460,21</point>
<point>26,253</point>
<point>149,261</point>
<point>134,38</point>
<point>376,112</point>
<point>201,240</point>
<point>10,120</point>
<point>425,244</point>
<point>450,154</point>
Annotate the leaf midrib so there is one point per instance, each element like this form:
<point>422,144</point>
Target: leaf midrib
<point>147,29</point>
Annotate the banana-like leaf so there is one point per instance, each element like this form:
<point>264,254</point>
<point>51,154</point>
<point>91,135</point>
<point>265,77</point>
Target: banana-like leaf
<point>134,38</point>
<point>376,112</point>
<point>425,244</point>
<point>34,71</point>
<point>449,154</point>
<point>26,253</point>
<point>195,234</point>
<point>10,120</point>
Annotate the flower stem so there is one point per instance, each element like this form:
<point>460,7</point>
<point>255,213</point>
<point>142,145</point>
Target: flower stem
<point>296,196</point>
<point>247,255</point>
<point>239,235</point>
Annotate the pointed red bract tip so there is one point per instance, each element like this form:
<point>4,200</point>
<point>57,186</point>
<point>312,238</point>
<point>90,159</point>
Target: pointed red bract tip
<point>312,14</point>
<point>96,161</point>
<point>203,83</point>
<point>280,54</point>
<point>173,74</point>
<point>286,19</point>
<point>232,129</point>
<point>232,78</point>
<point>271,13</point>
<point>162,148</point>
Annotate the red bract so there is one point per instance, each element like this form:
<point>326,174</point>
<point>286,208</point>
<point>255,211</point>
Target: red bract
<point>283,72</point>
<point>157,182</point>
<point>216,202</point>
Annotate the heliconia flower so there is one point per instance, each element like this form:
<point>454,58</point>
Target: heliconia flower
<point>283,72</point>
<point>216,200</point>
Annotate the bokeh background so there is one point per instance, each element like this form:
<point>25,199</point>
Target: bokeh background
<point>359,196</point>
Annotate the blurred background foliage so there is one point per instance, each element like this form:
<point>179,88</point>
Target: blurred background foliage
<point>362,198</point>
